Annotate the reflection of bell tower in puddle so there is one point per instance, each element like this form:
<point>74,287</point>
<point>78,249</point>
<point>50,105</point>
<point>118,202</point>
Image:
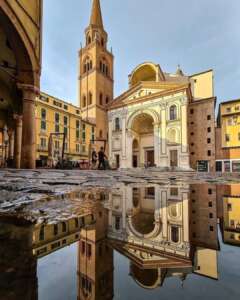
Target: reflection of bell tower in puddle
<point>151,226</point>
<point>95,261</point>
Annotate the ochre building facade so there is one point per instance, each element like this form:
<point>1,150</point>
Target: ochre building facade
<point>55,118</point>
<point>228,137</point>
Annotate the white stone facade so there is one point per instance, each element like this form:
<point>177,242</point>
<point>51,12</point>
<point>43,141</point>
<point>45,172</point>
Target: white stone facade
<point>169,137</point>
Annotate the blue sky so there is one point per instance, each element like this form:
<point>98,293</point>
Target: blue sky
<point>197,34</point>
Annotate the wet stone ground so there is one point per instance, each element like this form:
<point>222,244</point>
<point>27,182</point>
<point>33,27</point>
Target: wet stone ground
<point>22,190</point>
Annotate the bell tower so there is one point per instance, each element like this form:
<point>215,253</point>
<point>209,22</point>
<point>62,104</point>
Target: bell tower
<point>96,73</point>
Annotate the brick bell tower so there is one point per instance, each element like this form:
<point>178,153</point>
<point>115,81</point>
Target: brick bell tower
<point>96,73</point>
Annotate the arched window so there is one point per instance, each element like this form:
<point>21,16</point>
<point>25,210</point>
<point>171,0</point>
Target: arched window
<point>173,112</point>
<point>101,99</point>
<point>102,42</point>
<point>175,234</point>
<point>84,101</point>
<point>100,134</point>
<point>87,65</point>
<point>101,66</point>
<point>89,40</point>
<point>107,100</point>
<point>117,124</point>
<point>90,65</point>
<point>90,99</point>
<point>85,68</point>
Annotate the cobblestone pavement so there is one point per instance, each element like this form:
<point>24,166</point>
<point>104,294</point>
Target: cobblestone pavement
<point>33,188</point>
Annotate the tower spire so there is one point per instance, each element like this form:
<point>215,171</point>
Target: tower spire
<point>96,14</point>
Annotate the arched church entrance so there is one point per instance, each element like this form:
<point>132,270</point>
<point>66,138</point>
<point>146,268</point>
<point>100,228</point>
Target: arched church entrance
<point>143,142</point>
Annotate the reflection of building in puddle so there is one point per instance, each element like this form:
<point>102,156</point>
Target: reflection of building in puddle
<point>229,199</point>
<point>152,226</point>
<point>95,260</point>
<point>153,217</point>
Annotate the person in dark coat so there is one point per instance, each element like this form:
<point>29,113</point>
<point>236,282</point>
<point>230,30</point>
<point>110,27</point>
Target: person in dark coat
<point>101,159</point>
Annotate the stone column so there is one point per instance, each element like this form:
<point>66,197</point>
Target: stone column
<point>163,130</point>
<point>164,214</point>
<point>28,158</point>
<point>110,129</point>
<point>124,137</point>
<point>185,203</point>
<point>156,144</point>
<point>129,147</point>
<point>11,144</point>
<point>184,141</point>
<point>17,141</point>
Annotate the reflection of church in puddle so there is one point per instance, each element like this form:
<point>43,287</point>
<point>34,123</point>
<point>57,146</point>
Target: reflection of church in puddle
<point>164,231</point>
<point>152,227</point>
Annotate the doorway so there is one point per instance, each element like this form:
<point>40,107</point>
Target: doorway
<point>117,157</point>
<point>150,158</point>
<point>135,161</point>
<point>173,158</point>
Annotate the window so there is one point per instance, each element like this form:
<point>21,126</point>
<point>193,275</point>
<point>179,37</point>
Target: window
<point>89,250</point>
<point>64,227</point>
<point>229,207</point>
<point>228,109</point>
<point>93,134</point>
<point>175,234</point>
<point>227,166</point>
<point>107,100</point>
<point>117,124</point>
<point>84,133</point>
<point>227,137</point>
<point>43,125</point>
<point>218,166</point>
<point>192,111</point>
<point>209,129</point>
<point>65,107</point>
<point>209,191</point>
<point>76,222</point>
<point>101,99</point>
<point>55,229</point>
<point>211,228</point>
<point>174,191</point>
<point>173,112</point>
<point>237,108</point>
<point>100,134</point>
<point>43,142</point>
<point>209,141</point>
<point>90,99</point>
<point>83,247</point>
<point>77,129</point>
<point>117,223</point>
<point>43,114</point>
<point>57,121</point>
<point>236,166</point>
<point>41,234</point>
<point>209,117</point>
<point>84,103</point>
<point>210,204</point>
<point>230,121</point>
<point>77,148</point>
<point>209,153</point>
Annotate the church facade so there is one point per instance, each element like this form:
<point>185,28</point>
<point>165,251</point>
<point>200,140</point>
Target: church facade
<point>158,121</point>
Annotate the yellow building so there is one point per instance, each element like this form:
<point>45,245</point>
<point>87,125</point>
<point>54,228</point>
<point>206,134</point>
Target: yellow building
<point>228,137</point>
<point>231,219</point>
<point>54,118</point>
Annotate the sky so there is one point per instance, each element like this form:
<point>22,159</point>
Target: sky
<point>197,34</point>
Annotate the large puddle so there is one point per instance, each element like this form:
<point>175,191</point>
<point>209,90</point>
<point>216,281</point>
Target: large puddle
<point>135,241</point>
